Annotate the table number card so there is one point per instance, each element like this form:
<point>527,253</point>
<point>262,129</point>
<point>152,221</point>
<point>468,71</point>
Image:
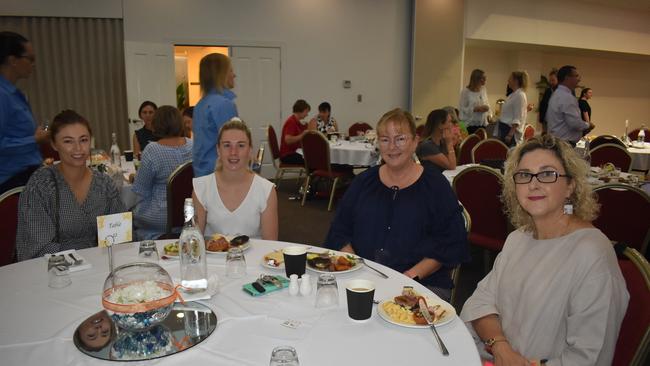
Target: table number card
<point>114,229</point>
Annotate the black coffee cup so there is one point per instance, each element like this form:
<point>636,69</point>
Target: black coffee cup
<point>295,260</point>
<point>128,155</point>
<point>360,295</point>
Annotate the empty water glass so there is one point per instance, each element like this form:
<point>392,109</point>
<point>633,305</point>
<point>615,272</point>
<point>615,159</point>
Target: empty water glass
<point>327,291</point>
<point>58,272</point>
<point>148,251</point>
<point>235,263</point>
<point>284,356</point>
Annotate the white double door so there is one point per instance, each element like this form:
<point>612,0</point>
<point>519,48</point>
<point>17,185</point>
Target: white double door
<point>150,76</point>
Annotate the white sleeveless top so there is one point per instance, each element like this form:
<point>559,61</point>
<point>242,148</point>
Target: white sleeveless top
<point>245,220</point>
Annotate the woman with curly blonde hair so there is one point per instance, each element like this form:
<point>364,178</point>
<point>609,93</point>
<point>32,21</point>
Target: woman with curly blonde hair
<point>556,294</point>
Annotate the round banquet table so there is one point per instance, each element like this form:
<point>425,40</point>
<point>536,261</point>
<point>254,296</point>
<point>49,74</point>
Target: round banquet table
<point>640,156</point>
<point>355,153</point>
<point>37,323</point>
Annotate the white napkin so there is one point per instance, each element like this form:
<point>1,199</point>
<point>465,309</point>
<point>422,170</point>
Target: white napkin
<point>73,267</point>
<point>213,288</point>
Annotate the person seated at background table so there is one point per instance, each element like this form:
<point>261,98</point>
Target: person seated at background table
<point>293,130</point>
<point>400,214</point>
<point>234,200</point>
<point>556,291</point>
<point>143,136</point>
<point>437,147</point>
<point>187,121</point>
<point>159,160</point>
<point>458,129</point>
<point>324,122</point>
<point>59,207</point>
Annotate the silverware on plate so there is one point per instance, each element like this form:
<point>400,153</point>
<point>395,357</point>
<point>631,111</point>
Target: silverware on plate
<point>424,310</point>
<point>374,269</point>
<point>77,261</point>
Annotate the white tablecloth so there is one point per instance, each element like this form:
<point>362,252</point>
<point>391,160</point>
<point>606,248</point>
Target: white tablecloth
<point>640,156</point>
<point>450,174</point>
<point>37,323</point>
<point>352,153</point>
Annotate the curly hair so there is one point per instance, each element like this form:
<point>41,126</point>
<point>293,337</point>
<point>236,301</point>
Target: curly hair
<point>583,198</point>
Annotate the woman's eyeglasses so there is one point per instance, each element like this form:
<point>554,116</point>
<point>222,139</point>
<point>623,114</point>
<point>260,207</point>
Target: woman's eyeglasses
<point>399,141</point>
<point>547,176</point>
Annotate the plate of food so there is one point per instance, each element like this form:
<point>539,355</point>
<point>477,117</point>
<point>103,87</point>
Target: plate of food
<point>171,250</point>
<point>219,244</point>
<point>273,260</point>
<point>333,262</point>
<point>403,310</point>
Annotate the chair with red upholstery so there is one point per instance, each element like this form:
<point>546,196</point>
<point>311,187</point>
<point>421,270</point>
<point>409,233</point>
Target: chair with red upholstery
<point>633,344</point>
<point>479,188</point>
<point>489,150</point>
<point>9,224</point>
<point>481,133</point>
<point>605,139</point>
<point>358,127</point>
<point>419,130</point>
<point>465,149</point>
<point>624,215</point>
<point>316,151</point>
<point>635,133</point>
<point>529,132</point>
<point>280,167</point>
<point>611,153</point>
<point>179,187</point>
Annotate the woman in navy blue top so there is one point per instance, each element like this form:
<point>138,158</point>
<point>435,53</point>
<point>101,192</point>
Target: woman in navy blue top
<point>402,215</point>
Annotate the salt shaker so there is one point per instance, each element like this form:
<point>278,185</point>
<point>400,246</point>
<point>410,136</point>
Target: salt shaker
<point>293,285</point>
<point>305,285</point>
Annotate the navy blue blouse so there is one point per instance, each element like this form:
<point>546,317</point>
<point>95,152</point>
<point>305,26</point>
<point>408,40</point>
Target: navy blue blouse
<point>400,227</point>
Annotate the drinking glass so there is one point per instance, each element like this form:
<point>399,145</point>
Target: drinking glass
<point>327,291</point>
<point>235,263</point>
<point>148,251</point>
<point>284,356</point>
<point>58,272</point>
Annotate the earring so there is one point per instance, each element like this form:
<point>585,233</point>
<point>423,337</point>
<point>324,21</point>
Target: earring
<point>568,207</point>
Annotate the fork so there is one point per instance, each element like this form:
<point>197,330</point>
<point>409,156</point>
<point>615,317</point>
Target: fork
<point>374,269</point>
<point>76,260</point>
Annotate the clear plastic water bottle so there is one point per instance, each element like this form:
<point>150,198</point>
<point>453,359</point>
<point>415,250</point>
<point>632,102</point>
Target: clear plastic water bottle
<point>116,154</point>
<point>641,136</point>
<point>194,268</point>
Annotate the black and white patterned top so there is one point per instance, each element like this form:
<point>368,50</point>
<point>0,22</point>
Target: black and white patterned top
<point>325,126</point>
<point>77,223</point>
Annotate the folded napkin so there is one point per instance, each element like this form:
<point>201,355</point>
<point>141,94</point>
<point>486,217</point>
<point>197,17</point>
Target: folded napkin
<point>84,265</point>
<point>213,288</point>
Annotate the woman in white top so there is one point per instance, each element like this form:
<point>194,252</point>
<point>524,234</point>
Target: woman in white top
<point>234,200</point>
<point>514,111</point>
<point>556,292</point>
<point>474,106</point>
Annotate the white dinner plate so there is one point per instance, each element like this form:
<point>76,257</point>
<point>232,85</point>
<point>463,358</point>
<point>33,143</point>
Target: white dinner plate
<point>244,247</point>
<point>449,315</point>
<point>356,267</point>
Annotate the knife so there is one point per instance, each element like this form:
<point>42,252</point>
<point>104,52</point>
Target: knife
<point>424,310</point>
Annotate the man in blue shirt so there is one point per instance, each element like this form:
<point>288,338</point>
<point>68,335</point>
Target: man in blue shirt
<point>19,152</point>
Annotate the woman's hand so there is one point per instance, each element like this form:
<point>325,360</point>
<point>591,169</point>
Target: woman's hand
<point>481,108</point>
<point>504,355</point>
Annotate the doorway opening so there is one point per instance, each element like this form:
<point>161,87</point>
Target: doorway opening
<point>186,65</point>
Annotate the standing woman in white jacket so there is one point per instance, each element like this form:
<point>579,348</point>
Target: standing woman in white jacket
<point>514,111</point>
<point>474,106</point>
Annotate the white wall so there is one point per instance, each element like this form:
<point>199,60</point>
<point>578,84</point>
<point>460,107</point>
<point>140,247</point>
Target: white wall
<point>63,8</point>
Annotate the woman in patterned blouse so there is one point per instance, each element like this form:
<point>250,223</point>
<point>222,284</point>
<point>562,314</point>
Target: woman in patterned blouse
<point>60,203</point>
<point>324,122</point>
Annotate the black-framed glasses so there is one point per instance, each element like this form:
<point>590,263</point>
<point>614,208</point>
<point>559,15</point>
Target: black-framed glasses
<point>547,176</point>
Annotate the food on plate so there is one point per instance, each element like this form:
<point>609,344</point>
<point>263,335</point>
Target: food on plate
<point>274,259</point>
<point>171,248</point>
<point>239,240</point>
<point>331,262</point>
<point>218,243</point>
<point>405,308</point>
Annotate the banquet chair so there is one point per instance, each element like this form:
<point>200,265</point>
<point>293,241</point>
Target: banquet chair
<point>419,130</point>
<point>605,139</point>
<point>529,132</point>
<point>316,151</point>
<point>256,164</point>
<point>623,215</point>
<point>358,126</point>
<point>633,344</point>
<point>280,167</point>
<point>455,272</point>
<point>9,224</point>
<point>635,133</point>
<point>490,152</point>
<point>465,149</point>
<point>611,153</point>
<point>481,133</point>
<point>478,188</point>
<point>179,187</point>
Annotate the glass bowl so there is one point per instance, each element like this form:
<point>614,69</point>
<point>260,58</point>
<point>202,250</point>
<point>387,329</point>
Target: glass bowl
<point>138,296</point>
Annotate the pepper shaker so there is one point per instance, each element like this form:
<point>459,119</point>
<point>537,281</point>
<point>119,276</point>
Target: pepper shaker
<point>293,285</point>
<point>305,285</point>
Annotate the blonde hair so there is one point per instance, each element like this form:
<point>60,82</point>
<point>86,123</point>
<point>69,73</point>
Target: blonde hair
<point>475,79</point>
<point>521,77</point>
<point>234,124</point>
<point>584,202</point>
<point>398,116</point>
<point>213,71</point>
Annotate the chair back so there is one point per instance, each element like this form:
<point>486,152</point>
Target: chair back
<point>481,133</point>
<point>316,151</point>
<point>635,133</point>
<point>633,344</point>
<point>419,130</point>
<point>465,149</point>
<point>9,224</point>
<point>529,132</point>
<point>256,164</point>
<point>455,272</point>
<point>611,153</point>
<point>358,126</point>
<point>47,151</point>
<point>605,139</point>
<point>179,187</point>
<point>478,188</point>
<point>623,210</point>
<point>272,138</point>
<point>490,149</point>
